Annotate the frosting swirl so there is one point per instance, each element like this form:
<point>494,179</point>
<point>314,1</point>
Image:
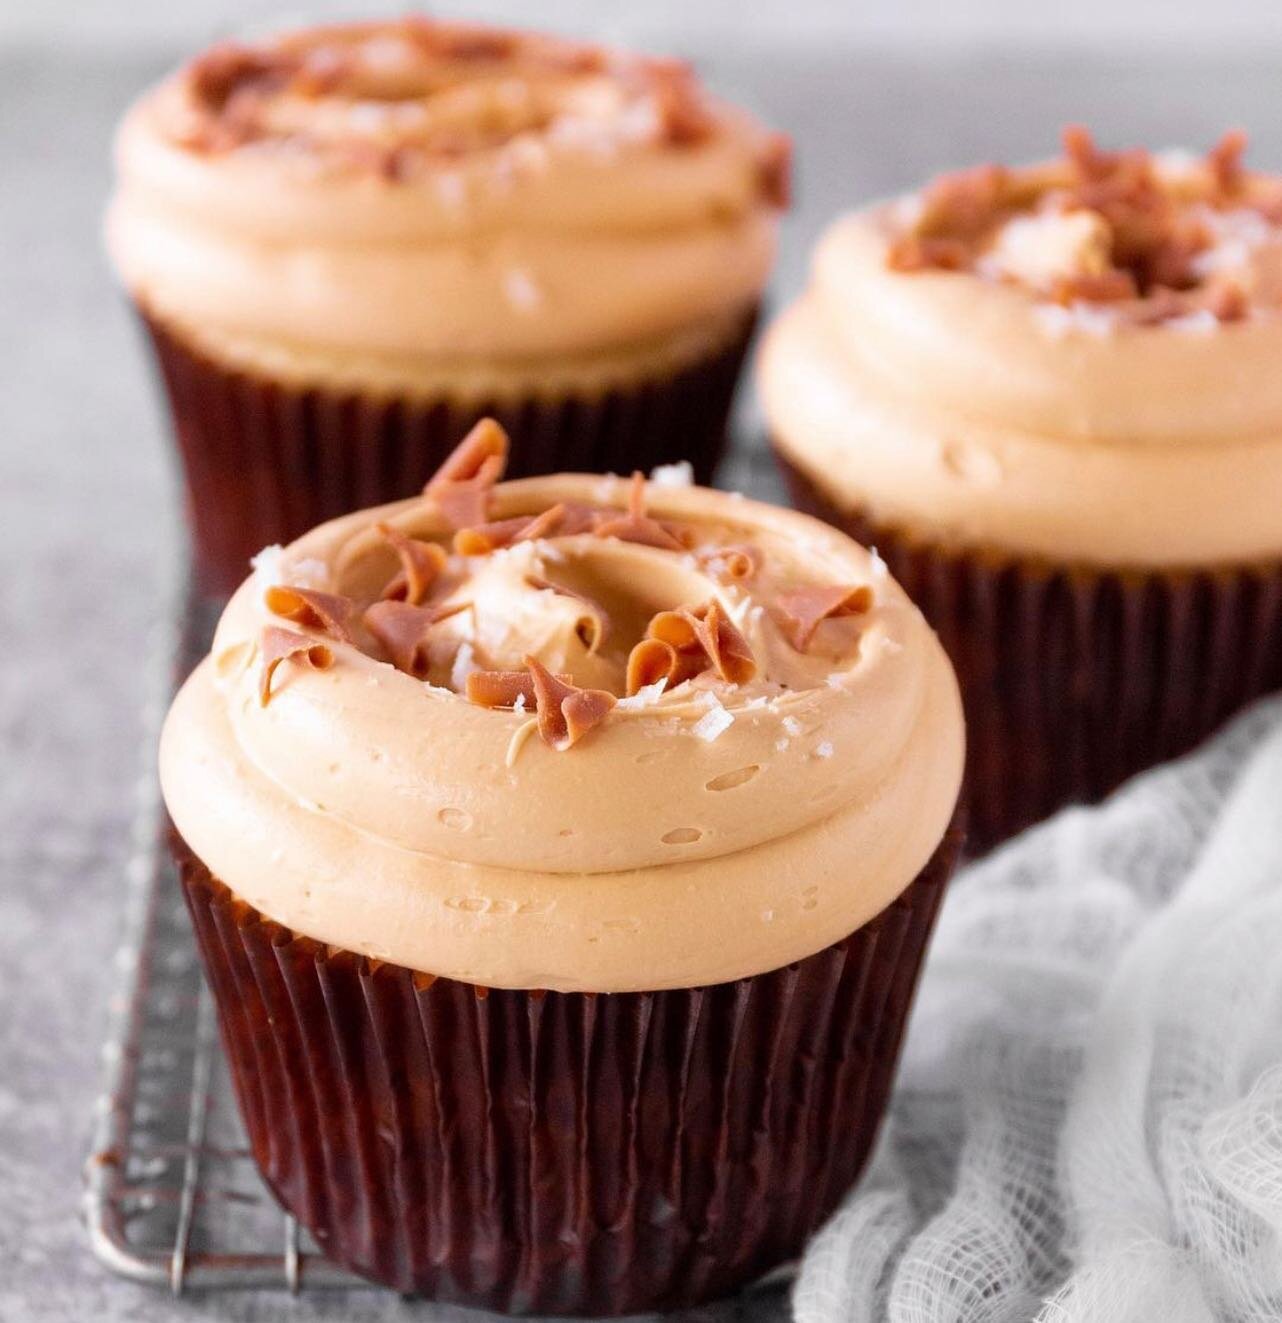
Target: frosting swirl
<point>778,789</point>
<point>391,195</point>
<point>1006,400</point>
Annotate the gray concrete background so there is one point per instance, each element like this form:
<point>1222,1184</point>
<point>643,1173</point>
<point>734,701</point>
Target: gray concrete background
<point>903,24</point>
<point>87,526</point>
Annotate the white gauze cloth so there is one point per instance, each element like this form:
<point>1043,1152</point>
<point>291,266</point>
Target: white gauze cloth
<point>1087,1126</point>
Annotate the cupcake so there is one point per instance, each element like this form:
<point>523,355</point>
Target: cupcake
<point>348,243</point>
<point>1050,398</point>
<point>562,854</point>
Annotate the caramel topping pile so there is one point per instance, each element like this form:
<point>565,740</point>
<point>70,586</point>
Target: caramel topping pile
<point>396,98</point>
<point>1098,228</point>
<point>403,624</point>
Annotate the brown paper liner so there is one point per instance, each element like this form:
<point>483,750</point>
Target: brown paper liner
<point>265,461</point>
<point>559,1153</point>
<point>1074,679</point>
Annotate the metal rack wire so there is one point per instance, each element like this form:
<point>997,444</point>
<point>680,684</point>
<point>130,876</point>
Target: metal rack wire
<point>172,1196</point>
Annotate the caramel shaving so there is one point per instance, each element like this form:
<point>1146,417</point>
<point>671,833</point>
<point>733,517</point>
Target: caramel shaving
<point>566,714</point>
<point>914,253</point>
<point>1107,287</point>
<point>725,646</point>
<point>961,204</point>
<point>736,563</point>
<point>500,688</point>
<point>543,525</point>
<point>304,606</point>
<point>421,562</point>
<point>1224,161</point>
<point>699,639</point>
<point>503,688</point>
<point>805,609</point>
<point>461,486</point>
<point>565,519</point>
<point>403,630</point>
<point>650,661</point>
<point>637,526</point>
<point>481,539</point>
<point>279,645</point>
<point>596,624</point>
<point>684,118</point>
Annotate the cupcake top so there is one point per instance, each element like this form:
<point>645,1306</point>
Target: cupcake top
<point>414,190</point>
<point>570,733</point>
<point>1036,359</point>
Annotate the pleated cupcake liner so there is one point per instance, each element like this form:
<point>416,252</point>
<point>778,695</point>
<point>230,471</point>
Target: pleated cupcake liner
<point>266,460</point>
<point>559,1153</point>
<point>1073,678</point>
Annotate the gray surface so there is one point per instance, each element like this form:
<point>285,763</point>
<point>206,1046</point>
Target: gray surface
<point>86,535</point>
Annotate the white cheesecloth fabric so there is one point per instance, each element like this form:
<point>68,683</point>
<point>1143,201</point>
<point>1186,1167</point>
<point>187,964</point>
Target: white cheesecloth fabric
<point>1087,1126</point>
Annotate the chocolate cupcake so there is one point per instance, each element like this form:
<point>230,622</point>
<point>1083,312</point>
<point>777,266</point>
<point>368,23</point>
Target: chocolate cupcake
<point>349,243</point>
<point>1050,398</point>
<point>562,856</point>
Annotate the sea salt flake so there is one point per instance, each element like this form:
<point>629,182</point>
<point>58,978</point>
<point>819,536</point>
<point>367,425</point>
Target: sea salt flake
<point>680,474</point>
<point>266,565</point>
<point>714,722</point>
<point>308,573</point>
<point>270,570</point>
<point>462,668</point>
<point>781,745</point>
<point>519,705</point>
<point>792,725</point>
<point>647,696</point>
<point>824,750</point>
<point>1058,322</point>
<point>1202,322</point>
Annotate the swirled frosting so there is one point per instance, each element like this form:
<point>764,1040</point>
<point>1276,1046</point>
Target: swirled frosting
<point>1011,361</point>
<point>423,804</point>
<point>385,198</point>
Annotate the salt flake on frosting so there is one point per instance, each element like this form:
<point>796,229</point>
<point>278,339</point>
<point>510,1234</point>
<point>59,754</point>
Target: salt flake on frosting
<point>1059,322</point>
<point>714,722</point>
<point>1202,322</point>
<point>647,696</point>
<point>680,474</point>
<point>266,566</point>
<point>463,666</point>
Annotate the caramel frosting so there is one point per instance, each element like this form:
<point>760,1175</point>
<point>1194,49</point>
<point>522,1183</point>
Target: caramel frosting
<point>1075,361</point>
<point>671,737</point>
<point>400,198</point>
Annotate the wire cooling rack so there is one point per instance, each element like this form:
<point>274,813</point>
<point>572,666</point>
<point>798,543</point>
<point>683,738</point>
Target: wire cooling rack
<point>172,1195</point>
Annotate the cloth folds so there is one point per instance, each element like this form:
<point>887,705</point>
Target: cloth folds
<point>1088,1121</point>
